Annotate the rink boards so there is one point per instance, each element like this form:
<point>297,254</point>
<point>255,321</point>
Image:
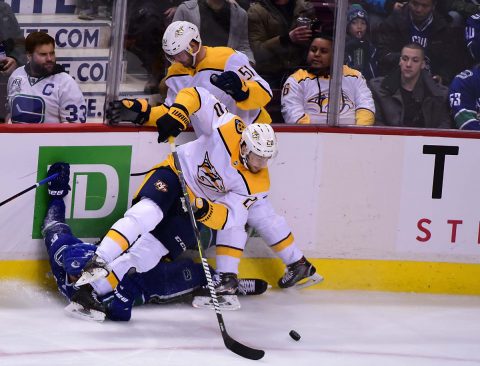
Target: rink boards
<point>383,210</point>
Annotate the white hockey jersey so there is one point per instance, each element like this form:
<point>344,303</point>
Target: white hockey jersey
<point>305,98</point>
<point>52,99</point>
<point>216,61</point>
<point>211,163</point>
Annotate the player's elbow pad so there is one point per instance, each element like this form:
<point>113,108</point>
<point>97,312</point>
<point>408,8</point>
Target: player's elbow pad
<point>471,125</point>
<point>213,215</point>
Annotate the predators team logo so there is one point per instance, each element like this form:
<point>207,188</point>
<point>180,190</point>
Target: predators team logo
<point>239,125</point>
<point>208,177</point>
<point>179,32</point>
<point>321,101</point>
<point>161,186</point>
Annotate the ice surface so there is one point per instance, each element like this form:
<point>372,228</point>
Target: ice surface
<point>337,328</point>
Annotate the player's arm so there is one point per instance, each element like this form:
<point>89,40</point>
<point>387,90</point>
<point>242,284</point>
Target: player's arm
<point>72,102</point>
<point>293,102</point>
<point>242,83</point>
<point>463,101</point>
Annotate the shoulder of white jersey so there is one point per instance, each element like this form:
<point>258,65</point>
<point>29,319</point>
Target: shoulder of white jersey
<point>231,134</point>
<point>177,69</point>
<point>19,71</point>
<point>216,58</point>
<point>348,71</point>
<point>301,75</point>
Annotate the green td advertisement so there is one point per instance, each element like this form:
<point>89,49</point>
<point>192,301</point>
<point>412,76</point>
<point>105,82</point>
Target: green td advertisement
<point>99,178</point>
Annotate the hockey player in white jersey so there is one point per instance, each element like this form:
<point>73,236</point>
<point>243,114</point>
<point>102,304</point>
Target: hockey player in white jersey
<point>224,171</point>
<point>223,71</point>
<point>227,75</point>
<point>41,91</point>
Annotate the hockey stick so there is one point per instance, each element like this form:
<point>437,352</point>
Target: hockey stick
<point>43,181</point>
<point>230,343</point>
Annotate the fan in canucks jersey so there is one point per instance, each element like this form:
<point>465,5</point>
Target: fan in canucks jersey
<point>41,91</point>
<point>464,94</point>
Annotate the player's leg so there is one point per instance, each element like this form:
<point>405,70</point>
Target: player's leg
<point>229,249</point>
<point>275,231</point>
<point>142,256</point>
<point>154,199</point>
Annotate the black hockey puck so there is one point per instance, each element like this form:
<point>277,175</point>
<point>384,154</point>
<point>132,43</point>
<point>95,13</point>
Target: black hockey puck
<point>294,335</point>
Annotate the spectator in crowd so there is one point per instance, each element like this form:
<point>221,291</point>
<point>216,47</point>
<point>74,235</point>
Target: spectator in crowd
<point>377,12</point>
<point>94,9</point>
<point>147,21</point>
<point>418,22</point>
<point>409,96</point>
<point>458,10</point>
<point>305,95</point>
<point>220,22</point>
<point>465,88</point>
<point>278,41</point>
<point>360,53</point>
<point>41,91</point>
<point>13,55</point>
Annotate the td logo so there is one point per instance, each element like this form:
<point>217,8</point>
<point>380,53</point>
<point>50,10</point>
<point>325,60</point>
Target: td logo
<point>99,178</point>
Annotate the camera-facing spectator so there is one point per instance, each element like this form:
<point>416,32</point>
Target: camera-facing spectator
<point>41,91</point>
<point>305,95</point>
<point>360,53</point>
<point>277,41</point>
<point>465,88</point>
<point>220,22</point>
<point>409,96</point>
<point>418,22</point>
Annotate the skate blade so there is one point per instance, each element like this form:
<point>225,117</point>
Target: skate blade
<point>226,302</point>
<point>310,281</point>
<point>89,277</point>
<point>77,311</point>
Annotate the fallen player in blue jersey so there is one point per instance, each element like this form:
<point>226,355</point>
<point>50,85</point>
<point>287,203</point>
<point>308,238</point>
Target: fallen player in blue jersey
<point>167,282</point>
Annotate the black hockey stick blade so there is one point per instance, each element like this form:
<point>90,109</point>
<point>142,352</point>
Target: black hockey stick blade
<point>241,349</point>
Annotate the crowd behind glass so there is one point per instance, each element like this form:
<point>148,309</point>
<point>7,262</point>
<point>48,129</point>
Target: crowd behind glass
<point>406,63</point>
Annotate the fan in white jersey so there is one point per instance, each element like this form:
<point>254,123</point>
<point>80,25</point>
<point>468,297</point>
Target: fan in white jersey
<point>41,91</point>
<point>225,170</point>
<point>305,94</point>
<point>193,63</point>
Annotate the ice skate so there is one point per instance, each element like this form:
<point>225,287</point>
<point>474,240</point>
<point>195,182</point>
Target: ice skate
<point>226,288</point>
<point>85,305</point>
<point>300,274</point>
<point>94,269</point>
<point>252,286</point>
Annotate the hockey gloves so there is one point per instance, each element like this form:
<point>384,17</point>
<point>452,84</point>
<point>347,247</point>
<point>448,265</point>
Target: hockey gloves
<point>120,308</point>
<point>59,186</point>
<point>213,215</point>
<point>231,84</point>
<point>173,122</point>
<point>131,110</point>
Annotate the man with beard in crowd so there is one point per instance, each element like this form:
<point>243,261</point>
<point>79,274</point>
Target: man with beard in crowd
<point>41,91</point>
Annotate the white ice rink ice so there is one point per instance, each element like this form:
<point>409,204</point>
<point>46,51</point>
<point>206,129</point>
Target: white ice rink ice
<point>337,328</point>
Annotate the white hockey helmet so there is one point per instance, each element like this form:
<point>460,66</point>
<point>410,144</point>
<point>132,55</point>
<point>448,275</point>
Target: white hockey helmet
<point>177,38</point>
<point>260,139</point>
